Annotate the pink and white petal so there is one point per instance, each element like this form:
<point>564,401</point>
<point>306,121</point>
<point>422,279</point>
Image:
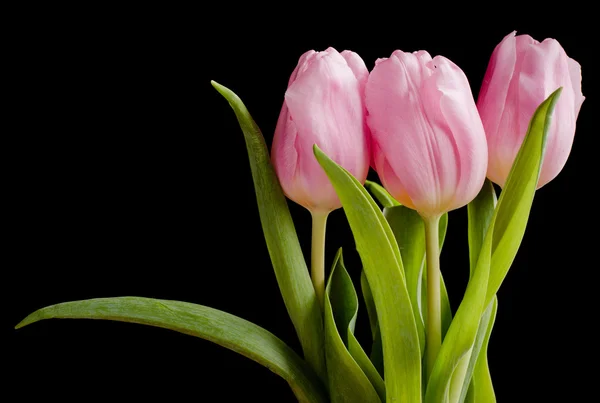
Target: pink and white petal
<point>399,125</point>
<point>302,63</point>
<point>327,108</point>
<point>461,144</point>
<point>546,68</point>
<point>494,88</point>
<point>575,73</point>
<point>285,156</point>
<point>358,67</point>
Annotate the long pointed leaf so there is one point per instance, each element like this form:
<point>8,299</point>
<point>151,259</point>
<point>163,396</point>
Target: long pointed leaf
<point>481,340</point>
<point>381,194</point>
<point>347,381</point>
<point>282,241</point>
<point>207,323</point>
<point>369,303</point>
<point>383,266</point>
<point>514,201</point>
<point>480,214</point>
<point>523,178</point>
<point>363,361</point>
<point>482,390</point>
<point>376,355</point>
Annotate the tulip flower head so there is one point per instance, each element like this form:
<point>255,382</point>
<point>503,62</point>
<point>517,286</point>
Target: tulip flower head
<point>324,105</point>
<point>429,146</point>
<point>521,74</point>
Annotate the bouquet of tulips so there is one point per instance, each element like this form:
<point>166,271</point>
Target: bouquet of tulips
<point>412,119</point>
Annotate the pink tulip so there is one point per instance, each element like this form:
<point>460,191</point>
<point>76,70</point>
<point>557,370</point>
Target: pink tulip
<point>429,145</point>
<point>521,74</point>
<point>324,105</point>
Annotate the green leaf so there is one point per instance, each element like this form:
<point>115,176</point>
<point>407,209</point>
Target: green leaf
<point>512,218</point>
<point>381,194</point>
<point>463,329</point>
<point>210,324</point>
<point>281,238</point>
<point>376,356</point>
<point>482,390</point>
<point>348,382</point>
<point>510,213</point>
<point>480,214</point>
<point>369,303</point>
<point>383,266</point>
<point>363,361</point>
<point>409,231</point>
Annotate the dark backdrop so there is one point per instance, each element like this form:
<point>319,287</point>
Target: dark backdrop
<point>131,178</point>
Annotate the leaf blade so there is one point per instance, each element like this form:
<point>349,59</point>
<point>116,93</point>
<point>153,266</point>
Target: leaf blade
<point>376,356</point>
<point>381,194</point>
<point>480,214</point>
<point>482,387</point>
<point>514,200</point>
<point>347,381</point>
<point>200,321</point>
<point>511,221</point>
<point>383,267</point>
<point>282,241</point>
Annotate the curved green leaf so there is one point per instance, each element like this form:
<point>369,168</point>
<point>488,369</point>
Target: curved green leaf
<point>511,213</point>
<point>363,361</point>
<point>481,389</point>
<point>282,241</point>
<point>347,381</point>
<point>480,214</point>
<point>512,218</point>
<point>207,323</point>
<point>381,259</point>
<point>369,303</point>
<point>409,231</point>
<point>376,356</point>
<point>463,329</point>
<point>381,194</point>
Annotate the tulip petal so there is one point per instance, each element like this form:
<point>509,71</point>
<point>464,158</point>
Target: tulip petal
<point>400,127</point>
<point>358,67</point>
<point>494,88</point>
<point>325,105</point>
<point>302,63</point>
<point>545,68</point>
<point>419,156</point>
<point>575,73</point>
<point>285,155</point>
<point>465,132</point>
<point>506,140</point>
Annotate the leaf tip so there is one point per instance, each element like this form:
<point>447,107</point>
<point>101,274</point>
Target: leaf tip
<point>32,318</point>
<point>554,97</point>
<point>229,95</point>
<point>319,154</point>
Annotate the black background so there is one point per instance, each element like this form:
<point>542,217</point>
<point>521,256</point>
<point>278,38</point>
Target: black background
<point>130,177</point>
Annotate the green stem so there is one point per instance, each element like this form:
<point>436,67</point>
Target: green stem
<point>433,327</point>
<point>317,267</point>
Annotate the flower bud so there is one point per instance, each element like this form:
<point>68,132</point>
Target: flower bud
<point>324,105</point>
<point>429,146</point>
<point>521,74</point>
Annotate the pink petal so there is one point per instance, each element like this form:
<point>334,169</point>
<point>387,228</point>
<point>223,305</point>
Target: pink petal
<point>575,73</point>
<point>404,99</point>
<point>465,157</point>
<point>325,104</point>
<point>545,68</point>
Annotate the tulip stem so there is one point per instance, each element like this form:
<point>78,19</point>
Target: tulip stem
<point>433,327</point>
<point>317,267</point>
